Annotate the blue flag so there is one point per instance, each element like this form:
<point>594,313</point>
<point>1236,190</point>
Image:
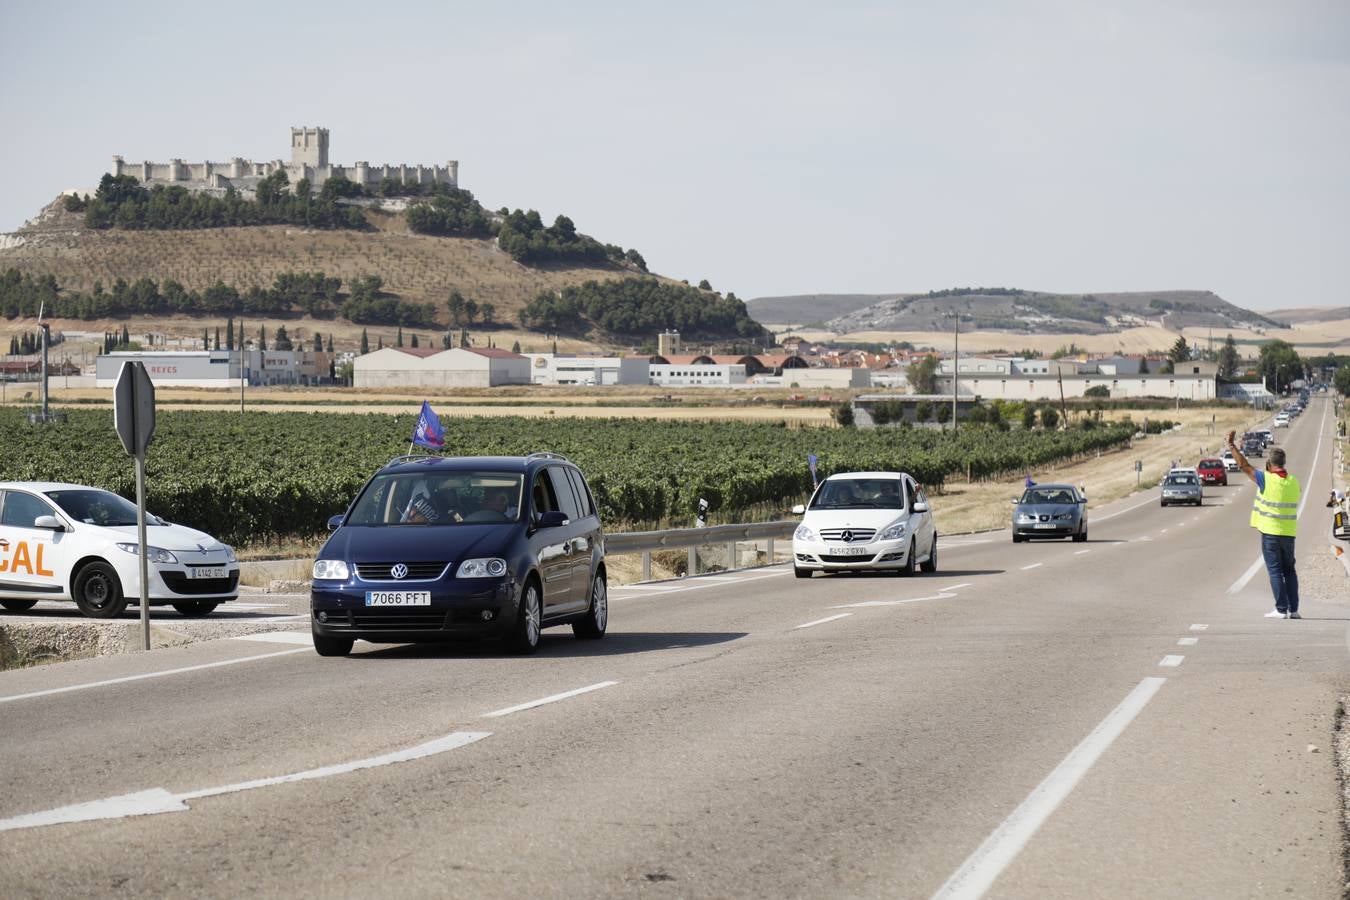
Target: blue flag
<point>429,432</point>
<point>811,464</point>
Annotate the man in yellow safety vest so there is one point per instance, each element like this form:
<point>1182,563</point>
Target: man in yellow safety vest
<point>1275,515</point>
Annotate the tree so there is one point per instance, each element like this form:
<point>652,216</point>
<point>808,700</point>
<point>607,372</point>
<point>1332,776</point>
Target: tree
<point>488,311</point>
<point>217,347</point>
<point>923,411</point>
<point>414,342</point>
<point>126,336</point>
<point>456,307</point>
<point>1342,380</point>
<point>470,311</point>
<point>1279,364</point>
<point>318,342</point>
<point>262,337</point>
<point>1098,390</point>
<point>1028,416</point>
<point>923,375</point>
<point>330,342</point>
<point>515,348</point>
<point>206,340</point>
<point>704,285</point>
<point>1143,365</point>
<point>398,340</point>
<point>943,413</point>
<point>365,342</point>
<point>282,341</point>
<point>1180,352</point>
<point>1049,417</point>
<point>1228,358</point>
<point>843,414</point>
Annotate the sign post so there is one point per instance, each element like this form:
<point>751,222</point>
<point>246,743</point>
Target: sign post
<point>1138,470</point>
<point>134,418</point>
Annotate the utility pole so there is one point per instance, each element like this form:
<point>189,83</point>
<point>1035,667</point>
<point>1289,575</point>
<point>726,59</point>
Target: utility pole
<point>241,363</point>
<point>956,364</point>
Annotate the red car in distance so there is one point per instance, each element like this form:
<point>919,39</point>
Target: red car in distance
<point>1211,471</point>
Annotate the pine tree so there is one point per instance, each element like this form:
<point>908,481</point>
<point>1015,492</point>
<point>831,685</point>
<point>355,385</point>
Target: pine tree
<point>126,336</point>
<point>217,347</point>
<point>380,344</point>
<point>318,342</point>
<point>398,341</point>
<point>464,337</point>
<point>330,342</point>
<point>515,348</point>
<point>229,333</point>
<point>206,340</point>
<point>262,337</point>
<point>365,342</point>
<point>414,342</point>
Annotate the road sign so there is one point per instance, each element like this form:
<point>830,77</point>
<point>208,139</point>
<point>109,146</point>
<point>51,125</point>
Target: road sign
<point>134,408</point>
<point>134,418</point>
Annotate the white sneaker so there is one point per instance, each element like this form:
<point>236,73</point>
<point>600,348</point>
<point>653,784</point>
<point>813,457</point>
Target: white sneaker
<point>1294,615</point>
<point>1276,614</point>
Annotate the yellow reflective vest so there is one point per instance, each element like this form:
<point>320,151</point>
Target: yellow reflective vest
<point>1275,510</point>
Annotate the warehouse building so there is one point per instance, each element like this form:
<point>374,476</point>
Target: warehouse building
<point>399,367</point>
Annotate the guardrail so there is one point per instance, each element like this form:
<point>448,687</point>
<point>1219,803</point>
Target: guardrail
<point>645,542</point>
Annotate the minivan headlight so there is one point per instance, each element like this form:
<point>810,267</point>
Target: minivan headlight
<point>488,567</point>
<point>330,570</point>
<point>804,534</point>
<point>229,554</point>
<point>152,554</point>
<point>893,533</point>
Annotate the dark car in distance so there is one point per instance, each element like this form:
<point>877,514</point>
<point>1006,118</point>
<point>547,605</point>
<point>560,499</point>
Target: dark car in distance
<point>447,548</point>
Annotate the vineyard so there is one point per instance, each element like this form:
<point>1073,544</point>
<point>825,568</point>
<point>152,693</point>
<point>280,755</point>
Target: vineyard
<point>250,477</point>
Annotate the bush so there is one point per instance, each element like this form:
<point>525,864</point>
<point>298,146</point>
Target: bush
<point>1099,390</point>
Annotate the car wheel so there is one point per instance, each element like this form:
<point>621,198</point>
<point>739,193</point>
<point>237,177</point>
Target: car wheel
<point>909,567</point>
<point>1017,538</point>
<point>930,565</point>
<point>332,644</point>
<point>98,591</point>
<point>1080,536</point>
<point>18,605</point>
<point>529,617</point>
<point>196,608</point>
<point>802,573</point>
<point>597,617</point>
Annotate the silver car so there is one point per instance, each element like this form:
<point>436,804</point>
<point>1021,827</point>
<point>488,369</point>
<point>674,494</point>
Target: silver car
<point>1050,510</point>
<point>1182,487</point>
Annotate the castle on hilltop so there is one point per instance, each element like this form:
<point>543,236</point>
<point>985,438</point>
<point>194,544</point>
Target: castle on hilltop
<point>309,159</point>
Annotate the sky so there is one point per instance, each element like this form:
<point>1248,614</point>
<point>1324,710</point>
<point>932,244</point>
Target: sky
<point>771,148</point>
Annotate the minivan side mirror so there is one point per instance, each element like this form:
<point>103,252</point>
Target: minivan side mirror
<point>920,507</point>
<point>552,519</point>
<point>799,509</point>
<point>334,522</point>
<point>51,522</point>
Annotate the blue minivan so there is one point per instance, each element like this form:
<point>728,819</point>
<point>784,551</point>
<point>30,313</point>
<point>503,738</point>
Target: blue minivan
<point>447,548</point>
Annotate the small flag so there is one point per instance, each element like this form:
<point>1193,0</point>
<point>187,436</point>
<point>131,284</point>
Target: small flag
<point>811,464</point>
<point>429,432</point>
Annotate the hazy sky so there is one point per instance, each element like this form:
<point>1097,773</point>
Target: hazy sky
<point>771,148</point>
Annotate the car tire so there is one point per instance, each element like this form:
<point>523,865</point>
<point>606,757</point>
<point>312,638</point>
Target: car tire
<point>1080,537</point>
<point>98,591</point>
<point>332,644</point>
<point>524,637</point>
<point>929,566</point>
<point>909,567</point>
<point>597,617</point>
<point>18,605</point>
<point>196,609</point>
<point>1017,538</point>
<point>802,573</point>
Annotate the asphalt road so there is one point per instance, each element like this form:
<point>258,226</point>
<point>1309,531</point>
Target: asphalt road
<point>1109,719</point>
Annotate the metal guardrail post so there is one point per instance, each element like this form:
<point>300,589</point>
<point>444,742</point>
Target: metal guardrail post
<point>770,554</point>
<point>731,555</point>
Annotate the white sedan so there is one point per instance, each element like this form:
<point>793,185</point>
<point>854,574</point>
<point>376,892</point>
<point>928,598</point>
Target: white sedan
<point>865,521</point>
<point>72,542</point>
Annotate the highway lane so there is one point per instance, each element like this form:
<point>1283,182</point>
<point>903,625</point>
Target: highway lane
<point>737,753</point>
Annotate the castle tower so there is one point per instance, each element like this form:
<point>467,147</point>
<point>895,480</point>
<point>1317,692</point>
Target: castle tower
<point>309,147</point>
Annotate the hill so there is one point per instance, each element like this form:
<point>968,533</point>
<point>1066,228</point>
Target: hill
<point>810,309</point>
<point>1019,312</point>
<point>414,267</point>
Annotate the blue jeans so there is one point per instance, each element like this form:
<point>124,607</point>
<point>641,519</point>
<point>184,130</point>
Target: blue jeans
<point>1279,553</point>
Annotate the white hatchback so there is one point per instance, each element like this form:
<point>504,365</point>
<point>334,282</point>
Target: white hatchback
<point>72,542</point>
<point>865,521</point>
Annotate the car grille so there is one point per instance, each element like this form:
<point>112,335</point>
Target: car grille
<point>829,558</point>
<point>417,571</point>
<point>860,535</point>
<point>179,583</point>
<point>388,619</point>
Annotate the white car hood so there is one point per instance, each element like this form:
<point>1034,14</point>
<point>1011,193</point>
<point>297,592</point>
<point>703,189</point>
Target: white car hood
<point>817,519</point>
<point>166,537</point>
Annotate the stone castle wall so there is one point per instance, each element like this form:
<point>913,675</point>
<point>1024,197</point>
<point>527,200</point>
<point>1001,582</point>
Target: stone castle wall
<point>309,159</point>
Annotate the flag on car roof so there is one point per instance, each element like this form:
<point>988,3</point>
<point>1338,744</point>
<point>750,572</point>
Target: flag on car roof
<point>429,432</point>
<point>811,464</point>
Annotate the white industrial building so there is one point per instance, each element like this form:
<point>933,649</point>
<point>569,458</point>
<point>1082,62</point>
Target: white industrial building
<point>546,368</point>
<point>696,374</point>
<point>217,368</point>
<point>814,378</point>
<point>397,367</point>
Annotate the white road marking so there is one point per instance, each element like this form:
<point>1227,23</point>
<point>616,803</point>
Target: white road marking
<point>158,800</point>
<point>233,607</point>
<point>978,873</point>
<point>866,603</point>
<point>124,680</point>
<point>1245,577</point>
<point>1144,540</point>
<point>1171,661</point>
<point>1081,552</point>
<point>279,637</point>
<point>545,700</point>
<point>1188,642</point>
<point>675,587</point>
<point>827,618</point>
<point>1032,566</point>
<point>1164,531</point>
<point>955,587</point>
<point>1199,627</point>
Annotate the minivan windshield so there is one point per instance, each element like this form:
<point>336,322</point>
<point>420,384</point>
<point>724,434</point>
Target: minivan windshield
<point>859,493</point>
<point>439,498</point>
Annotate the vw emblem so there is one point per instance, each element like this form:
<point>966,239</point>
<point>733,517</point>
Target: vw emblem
<point>399,571</point>
<point>846,537</point>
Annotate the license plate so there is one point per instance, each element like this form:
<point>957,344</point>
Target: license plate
<point>1046,525</point>
<point>398,598</point>
<point>207,572</point>
<point>850,551</point>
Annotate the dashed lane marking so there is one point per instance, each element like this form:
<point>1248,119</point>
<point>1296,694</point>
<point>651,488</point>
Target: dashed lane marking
<point>521,707</point>
<point>278,637</point>
<point>863,604</point>
<point>978,873</point>
<point>1199,627</point>
<point>1081,552</point>
<point>1171,661</point>
<point>1032,566</point>
<point>824,620</point>
<point>1188,642</point>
